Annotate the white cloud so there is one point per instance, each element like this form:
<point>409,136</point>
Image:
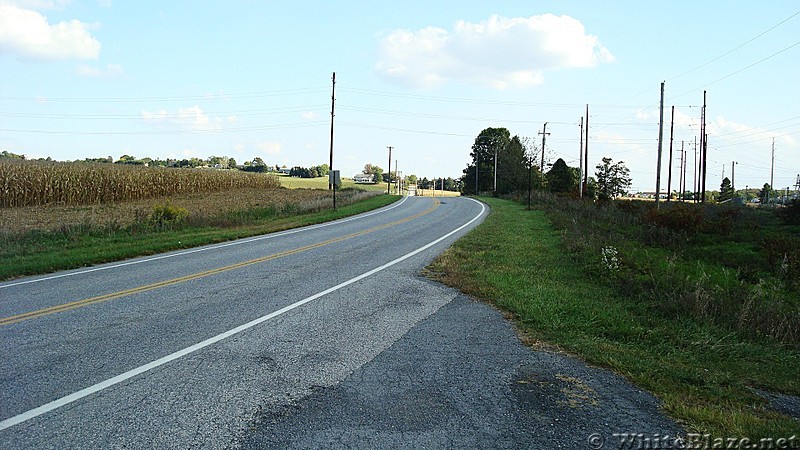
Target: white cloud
<point>270,148</point>
<point>192,118</point>
<point>734,132</point>
<point>96,72</point>
<point>499,51</point>
<point>309,115</point>
<point>27,34</point>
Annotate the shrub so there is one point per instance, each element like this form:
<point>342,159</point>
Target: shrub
<point>791,213</point>
<point>166,216</point>
<point>684,219</point>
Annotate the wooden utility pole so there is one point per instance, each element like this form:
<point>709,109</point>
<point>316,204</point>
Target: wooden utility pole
<point>544,134</point>
<point>771,171</point>
<point>669,172</point>
<point>389,177</point>
<point>477,163</point>
<point>683,173</point>
<point>586,152</point>
<point>695,189</point>
<point>494,188</point>
<point>680,175</point>
<point>580,163</point>
<point>660,142</point>
<point>333,102</point>
<point>703,151</point>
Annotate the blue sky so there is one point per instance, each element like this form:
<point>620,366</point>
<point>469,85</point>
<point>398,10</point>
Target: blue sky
<point>252,78</point>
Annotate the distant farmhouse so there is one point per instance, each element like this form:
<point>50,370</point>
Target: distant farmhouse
<point>364,178</point>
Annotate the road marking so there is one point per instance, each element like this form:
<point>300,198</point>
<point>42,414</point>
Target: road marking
<point>114,295</point>
<point>55,404</point>
<point>205,249</point>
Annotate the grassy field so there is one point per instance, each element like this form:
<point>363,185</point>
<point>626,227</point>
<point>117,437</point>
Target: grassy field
<point>672,318</point>
<point>322,183</point>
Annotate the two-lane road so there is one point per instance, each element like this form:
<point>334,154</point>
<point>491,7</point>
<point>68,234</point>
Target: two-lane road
<point>185,349</point>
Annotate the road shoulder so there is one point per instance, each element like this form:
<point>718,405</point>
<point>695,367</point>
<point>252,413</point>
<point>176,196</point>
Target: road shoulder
<point>462,378</point>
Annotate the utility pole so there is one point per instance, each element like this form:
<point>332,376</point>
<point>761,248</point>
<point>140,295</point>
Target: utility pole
<point>683,185</point>
<point>396,177</point>
<point>530,175</point>
<point>771,170</point>
<point>580,163</point>
<point>389,177</point>
<point>494,190</point>
<point>660,142</point>
<point>772,165</point>
<point>680,174</point>
<point>704,151</point>
<point>333,102</point>
<point>733,175</point>
<point>669,172</point>
<point>586,152</point>
<point>695,190</point>
<point>477,163</point>
<point>544,134</point>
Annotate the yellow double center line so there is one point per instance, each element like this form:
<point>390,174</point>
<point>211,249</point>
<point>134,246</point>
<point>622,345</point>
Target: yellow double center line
<point>195,276</point>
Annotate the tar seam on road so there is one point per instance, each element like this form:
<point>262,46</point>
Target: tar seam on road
<point>204,249</point>
<point>55,404</point>
<point>115,295</point>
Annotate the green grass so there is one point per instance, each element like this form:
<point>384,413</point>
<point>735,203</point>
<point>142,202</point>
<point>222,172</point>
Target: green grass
<point>322,183</point>
<point>702,371</point>
<point>43,252</point>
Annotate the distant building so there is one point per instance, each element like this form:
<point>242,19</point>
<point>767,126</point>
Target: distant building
<point>364,178</point>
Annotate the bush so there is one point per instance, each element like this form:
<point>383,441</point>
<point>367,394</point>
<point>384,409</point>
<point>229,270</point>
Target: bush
<point>791,213</point>
<point>166,216</point>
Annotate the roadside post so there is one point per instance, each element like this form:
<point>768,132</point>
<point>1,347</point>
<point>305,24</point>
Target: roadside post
<point>335,181</point>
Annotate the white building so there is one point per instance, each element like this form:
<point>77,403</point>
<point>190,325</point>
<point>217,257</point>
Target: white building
<point>364,178</point>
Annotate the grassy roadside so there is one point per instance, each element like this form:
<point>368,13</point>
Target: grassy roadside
<point>703,372</point>
<point>43,252</point>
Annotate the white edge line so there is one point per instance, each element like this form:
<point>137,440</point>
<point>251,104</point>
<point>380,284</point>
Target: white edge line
<point>203,249</point>
<point>55,404</point>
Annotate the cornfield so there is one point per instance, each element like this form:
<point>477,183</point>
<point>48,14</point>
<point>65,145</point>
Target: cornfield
<point>34,183</point>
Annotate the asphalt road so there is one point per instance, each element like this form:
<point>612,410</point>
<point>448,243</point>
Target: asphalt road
<point>324,336</point>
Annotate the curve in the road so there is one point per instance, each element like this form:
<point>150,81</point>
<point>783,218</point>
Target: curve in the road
<point>149,287</point>
<point>65,400</point>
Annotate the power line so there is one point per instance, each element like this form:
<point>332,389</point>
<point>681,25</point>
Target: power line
<point>735,48</point>
<point>740,70</point>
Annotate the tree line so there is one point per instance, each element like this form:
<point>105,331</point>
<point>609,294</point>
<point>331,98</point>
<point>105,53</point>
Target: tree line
<point>505,165</point>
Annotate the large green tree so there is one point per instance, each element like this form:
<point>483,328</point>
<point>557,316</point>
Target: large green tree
<point>613,180</point>
<point>487,143</point>
<point>562,178</point>
<point>512,168</point>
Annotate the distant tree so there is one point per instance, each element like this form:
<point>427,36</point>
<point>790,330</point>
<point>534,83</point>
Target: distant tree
<point>412,179</point>
<point>231,163</point>
<point>766,194</point>
<point>127,159</point>
<point>613,180</point>
<point>561,178</point>
<point>725,190</point>
<point>9,155</point>
<point>376,171</point>
<point>323,170</point>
